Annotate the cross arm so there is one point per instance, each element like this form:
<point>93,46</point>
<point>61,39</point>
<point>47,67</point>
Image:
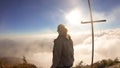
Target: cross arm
<point>93,21</point>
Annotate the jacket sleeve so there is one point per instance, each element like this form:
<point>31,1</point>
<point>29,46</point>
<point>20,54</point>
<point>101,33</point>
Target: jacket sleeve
<point>57,51</point>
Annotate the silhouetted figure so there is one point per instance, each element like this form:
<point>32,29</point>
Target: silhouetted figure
<point>63,52</point>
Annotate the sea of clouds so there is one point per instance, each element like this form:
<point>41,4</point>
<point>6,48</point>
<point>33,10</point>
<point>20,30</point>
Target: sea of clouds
<point>39,48</point>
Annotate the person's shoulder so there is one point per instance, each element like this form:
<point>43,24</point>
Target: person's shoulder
<point>58,39</point>
<point>55,40</point>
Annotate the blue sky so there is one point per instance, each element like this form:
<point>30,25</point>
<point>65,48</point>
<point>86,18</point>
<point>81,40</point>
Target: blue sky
<point>37,16</point>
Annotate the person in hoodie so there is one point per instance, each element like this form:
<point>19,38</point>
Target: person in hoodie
<point>63,52</point>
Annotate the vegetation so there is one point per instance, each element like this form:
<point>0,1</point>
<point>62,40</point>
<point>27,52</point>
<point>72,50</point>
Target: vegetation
<point>20,65</point>
<point>100,64</point>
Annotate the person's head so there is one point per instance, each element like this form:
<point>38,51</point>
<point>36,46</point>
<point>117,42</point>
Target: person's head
<point>62,30</point>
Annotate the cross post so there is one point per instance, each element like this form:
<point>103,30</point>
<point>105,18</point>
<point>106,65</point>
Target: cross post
<point>92,29</point>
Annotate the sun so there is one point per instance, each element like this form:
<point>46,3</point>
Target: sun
<point>73,20</point>
<point>74,16</point>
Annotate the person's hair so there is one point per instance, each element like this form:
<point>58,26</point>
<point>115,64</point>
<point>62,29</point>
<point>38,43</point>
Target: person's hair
<point>62,30</point>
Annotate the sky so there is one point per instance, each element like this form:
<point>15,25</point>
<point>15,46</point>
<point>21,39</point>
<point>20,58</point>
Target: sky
<point>28,27</point>
<point>42,16</point>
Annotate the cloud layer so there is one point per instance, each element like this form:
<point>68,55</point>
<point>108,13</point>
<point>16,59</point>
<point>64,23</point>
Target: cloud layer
<point>40,49</point>
<point>106,46</point>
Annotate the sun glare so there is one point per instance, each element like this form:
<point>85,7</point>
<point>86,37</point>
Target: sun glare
<point>74,16</point>
<point>73,19</point>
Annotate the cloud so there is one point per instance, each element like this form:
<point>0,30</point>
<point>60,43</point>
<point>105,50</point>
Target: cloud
<point>106,46</point>
<point>40,48</point>
<point>78,14</point>
<point>25,46</point>
<point>44,59</point>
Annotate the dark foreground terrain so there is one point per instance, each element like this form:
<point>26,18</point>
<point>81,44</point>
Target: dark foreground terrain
<point>12,62</point>
<point>106,63</point>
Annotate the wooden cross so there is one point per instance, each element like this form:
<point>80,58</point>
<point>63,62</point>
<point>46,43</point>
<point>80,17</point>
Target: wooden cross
<point>92,29</point>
